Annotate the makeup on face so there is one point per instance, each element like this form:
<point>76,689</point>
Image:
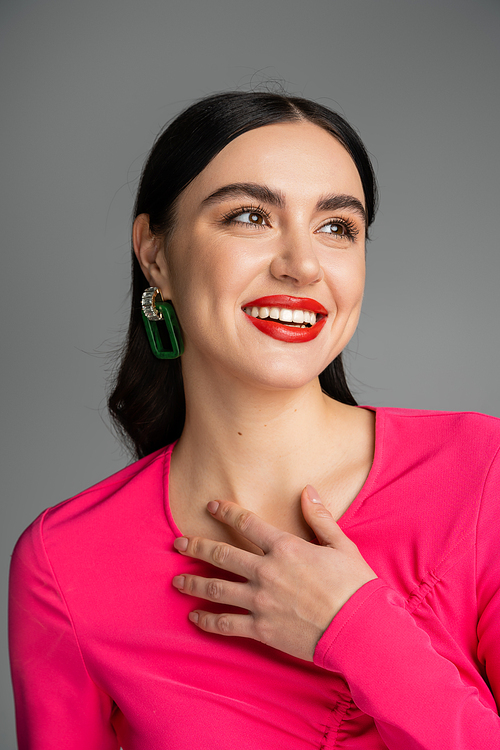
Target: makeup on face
<point>268,251</point>
<point>291,319</point>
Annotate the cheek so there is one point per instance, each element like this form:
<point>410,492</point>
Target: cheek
<point>214,266</point>
<point>358,281</point>
<point>347,281</point>
<point>187,266</point>
<point>203,277</point>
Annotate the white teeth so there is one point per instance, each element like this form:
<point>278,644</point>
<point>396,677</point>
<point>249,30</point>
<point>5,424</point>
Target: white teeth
<point>299,317</point>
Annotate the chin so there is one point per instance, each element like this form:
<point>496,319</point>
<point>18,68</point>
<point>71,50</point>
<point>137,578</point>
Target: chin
<point>278,378</point>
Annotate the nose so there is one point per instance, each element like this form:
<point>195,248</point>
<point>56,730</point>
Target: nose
<point>296,261</point>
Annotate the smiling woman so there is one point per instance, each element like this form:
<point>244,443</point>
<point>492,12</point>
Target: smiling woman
<point>363,611</point>
<point>216,262</point>
<point>180,157</point>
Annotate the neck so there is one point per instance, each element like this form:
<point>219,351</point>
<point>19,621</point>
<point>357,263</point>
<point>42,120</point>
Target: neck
<point>259,447</point>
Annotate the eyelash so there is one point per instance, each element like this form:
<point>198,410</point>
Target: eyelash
<point>231,215</point>
<point>350,227</point>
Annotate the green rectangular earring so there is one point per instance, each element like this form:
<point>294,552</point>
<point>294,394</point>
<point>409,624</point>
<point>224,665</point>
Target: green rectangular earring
<point>155,309</point>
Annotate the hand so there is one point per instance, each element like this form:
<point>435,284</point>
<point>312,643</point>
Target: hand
<point>291,593</point>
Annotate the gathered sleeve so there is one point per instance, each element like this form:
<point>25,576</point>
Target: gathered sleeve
<point>58,706</point>
<point>416,696</point>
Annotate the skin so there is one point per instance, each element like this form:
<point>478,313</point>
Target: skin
<point>292,591</point>
<point>258,427</point>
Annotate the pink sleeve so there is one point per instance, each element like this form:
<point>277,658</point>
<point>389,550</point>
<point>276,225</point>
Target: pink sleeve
<point>488,575</point>
<point>58,707</point>
<point>415,696</point>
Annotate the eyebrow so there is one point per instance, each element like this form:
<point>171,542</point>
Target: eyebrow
<point>250,189</point>
<point>276,198</point>
<point>336,202</point>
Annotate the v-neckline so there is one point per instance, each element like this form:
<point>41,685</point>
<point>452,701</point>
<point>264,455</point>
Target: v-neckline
<point>349,513</point>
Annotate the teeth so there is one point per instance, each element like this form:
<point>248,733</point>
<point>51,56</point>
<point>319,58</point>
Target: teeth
<point>286,316</point>
<point>301,318</point>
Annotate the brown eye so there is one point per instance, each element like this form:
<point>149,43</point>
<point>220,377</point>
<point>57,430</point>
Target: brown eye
<point>249,217</point>
<point>338,230</point>
<point>343,230</point>
<point>253,218</point>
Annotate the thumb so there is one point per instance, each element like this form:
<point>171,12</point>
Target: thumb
<point>319,518</point>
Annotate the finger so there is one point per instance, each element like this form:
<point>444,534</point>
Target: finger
<point>225,624</point>
<point>220,554</point>
<point>246,523</point>
<point>214,590</point>
<point>319,518</point>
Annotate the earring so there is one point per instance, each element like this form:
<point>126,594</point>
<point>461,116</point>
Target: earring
<point>154,309</point>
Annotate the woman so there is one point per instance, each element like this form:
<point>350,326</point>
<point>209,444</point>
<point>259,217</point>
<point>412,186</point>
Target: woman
<point>205,596</point>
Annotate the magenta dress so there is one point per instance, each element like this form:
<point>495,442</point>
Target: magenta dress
<point>103,655</point>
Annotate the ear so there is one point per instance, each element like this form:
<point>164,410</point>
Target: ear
<point>149,252</point>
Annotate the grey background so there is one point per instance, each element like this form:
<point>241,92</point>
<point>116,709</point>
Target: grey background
<point>85,88</point>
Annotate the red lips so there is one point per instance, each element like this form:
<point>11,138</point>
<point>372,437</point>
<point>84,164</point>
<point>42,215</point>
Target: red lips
<point>282,332</point>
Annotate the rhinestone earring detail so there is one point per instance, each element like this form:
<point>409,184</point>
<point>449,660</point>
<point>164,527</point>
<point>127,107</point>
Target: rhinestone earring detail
<point>154,310</point>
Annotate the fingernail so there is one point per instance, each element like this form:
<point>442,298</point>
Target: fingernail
<point>212,506</point>
<point>194,616</point>
<point>181,544</point>
<point>312,494</point>
<point>179,581</point>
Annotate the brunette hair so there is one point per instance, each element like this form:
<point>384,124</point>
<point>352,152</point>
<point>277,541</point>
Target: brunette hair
<point>147,403</point>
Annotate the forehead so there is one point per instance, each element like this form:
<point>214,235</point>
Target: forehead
<point>297,158</point>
